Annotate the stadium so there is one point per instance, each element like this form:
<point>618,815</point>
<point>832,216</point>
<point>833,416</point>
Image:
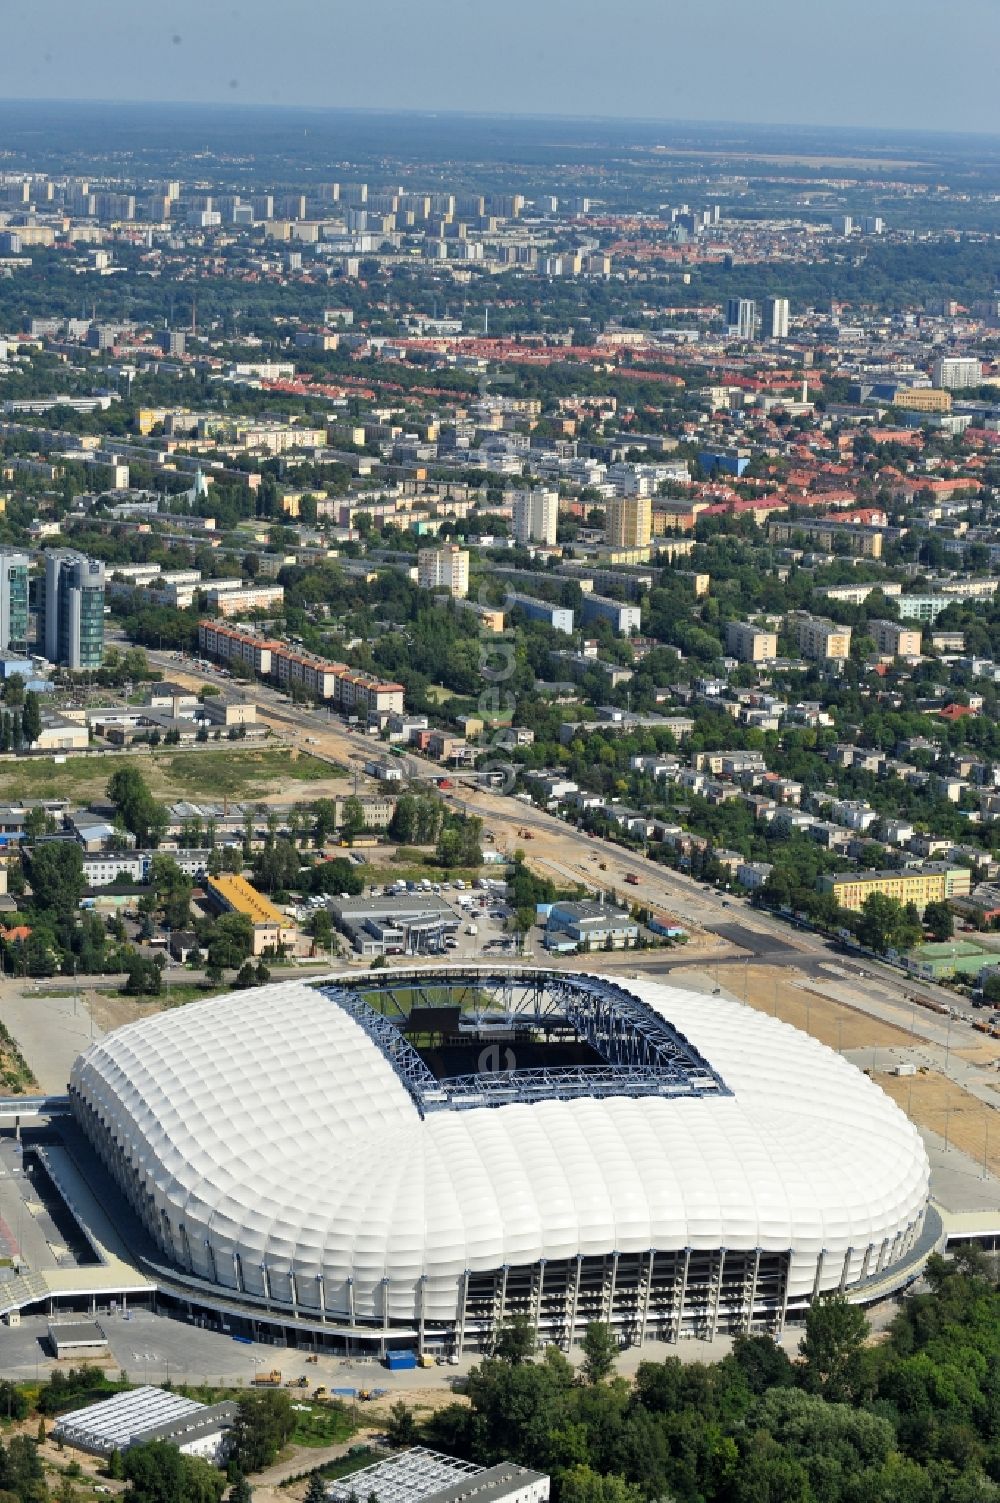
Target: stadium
<point>416,1159</point>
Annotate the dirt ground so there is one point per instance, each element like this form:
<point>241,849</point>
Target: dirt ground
<point>938,1104</point>
<point>773,989</point>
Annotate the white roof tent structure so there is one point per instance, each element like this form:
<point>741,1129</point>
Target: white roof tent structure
<point>422,1476</point>
<point>412,1160</point>
<point>142,1414</point>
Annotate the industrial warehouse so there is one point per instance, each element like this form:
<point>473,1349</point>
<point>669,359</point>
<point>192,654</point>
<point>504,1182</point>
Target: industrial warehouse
<point>412,1161</point>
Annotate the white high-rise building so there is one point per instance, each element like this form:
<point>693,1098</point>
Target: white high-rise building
<point>444,568</point>
<point>952,372</point>
<point>775,318</point>
<point>536,516</point>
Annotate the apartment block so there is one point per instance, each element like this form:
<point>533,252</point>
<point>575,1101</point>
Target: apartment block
<point>536,516</point>
<point>819,639</point>
<point>629,521</point>
<point>751,644</point>
<point>444,568</point>
<point>934,882</point>
<point>891,637</point>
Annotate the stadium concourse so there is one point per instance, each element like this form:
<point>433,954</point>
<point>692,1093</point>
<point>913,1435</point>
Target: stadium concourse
<point>413,1160</point>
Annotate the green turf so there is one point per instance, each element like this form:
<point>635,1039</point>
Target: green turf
<point>198,773</point>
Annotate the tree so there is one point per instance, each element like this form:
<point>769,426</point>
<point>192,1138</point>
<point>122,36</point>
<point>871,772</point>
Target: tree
<point>241,1491</point>
<point>836,1332</point>
<point>938,919</point>
<point>57,881</point>
<point>140,813</point>
<point>353,819</point>
<point>228,941</point>
<point>316,1491</point>
<point>172,890</point>
<point>31,718</point>
<point>402,1427</point>
<point>264,1422</point>
<point>144,977</point>
<point>515,1341</point>
<point>600,1352</point>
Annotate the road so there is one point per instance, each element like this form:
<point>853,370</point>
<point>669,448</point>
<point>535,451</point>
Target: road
<point>729,921</point>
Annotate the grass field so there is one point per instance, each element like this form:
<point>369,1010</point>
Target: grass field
<point>215,773</point>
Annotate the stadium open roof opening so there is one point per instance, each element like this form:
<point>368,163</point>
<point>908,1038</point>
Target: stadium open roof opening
<point>473,1039</point>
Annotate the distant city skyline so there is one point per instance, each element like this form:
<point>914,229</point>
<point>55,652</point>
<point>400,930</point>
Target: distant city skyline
<point>876,66</point>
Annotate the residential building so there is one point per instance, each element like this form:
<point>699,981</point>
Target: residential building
<point>775,322</point>
<point>953,372</point>
<point>751,644</point>
<point>536,515</point>
<point>444,568</point>
<point>559,617</point>
<point>74,610</point>
<point>820,639</point>
<point>891,637</point>
<point>934,882</point>
<point>629,521</point>
<point>235,599</point>
<point>623,618</point>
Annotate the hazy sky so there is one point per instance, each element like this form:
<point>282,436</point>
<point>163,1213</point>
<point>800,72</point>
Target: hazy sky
<point>906,63</point>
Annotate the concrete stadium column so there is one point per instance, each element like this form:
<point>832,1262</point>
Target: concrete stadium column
<point>350,1302</point>
<point>321,1290</point>
<point>784,1297</point>
<point>849,1254</point>
<point>576,1300</point>
<point>502,1316</point>
<point>294,1289</point>
<point>647,1295</point>
<point>819,1273</point>
<point>384,1286</point>
<point>462,1312</point>
<point>539,1286</point>
<point>612,1287</point>
<point>210,1255</point>
<point>717,1300</point>
<point>683,1295</point>
<point>868,1257</point>
<point>238,1273</point>
<point>420,1313</point>
<point>266,1278</point>
<point>752,1301</point>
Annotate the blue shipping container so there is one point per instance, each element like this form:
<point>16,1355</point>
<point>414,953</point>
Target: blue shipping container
<point>400,1361</point>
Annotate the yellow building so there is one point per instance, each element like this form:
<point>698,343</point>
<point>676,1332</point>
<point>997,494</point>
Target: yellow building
<point>935,882</point>
<point>629,521</point>
<point>750,644</point>
<point>821,640</point>
<point>271,927</point>
<point>923,399</point>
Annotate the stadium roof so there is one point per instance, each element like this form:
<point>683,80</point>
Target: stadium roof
<point>266,1135</point>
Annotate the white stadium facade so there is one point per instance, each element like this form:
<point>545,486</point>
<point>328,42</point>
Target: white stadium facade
<point>413,1159</point>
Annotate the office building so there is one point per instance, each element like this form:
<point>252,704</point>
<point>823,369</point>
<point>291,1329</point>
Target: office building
<point>13,602</point>
<point>444,568</point>
<point>741,317</point>
<point>536,516</point>
<point>953,372</point>
<point>629,521</point>
<point>751,644</point>
<point>775,318</point>
<point>74,610</point>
